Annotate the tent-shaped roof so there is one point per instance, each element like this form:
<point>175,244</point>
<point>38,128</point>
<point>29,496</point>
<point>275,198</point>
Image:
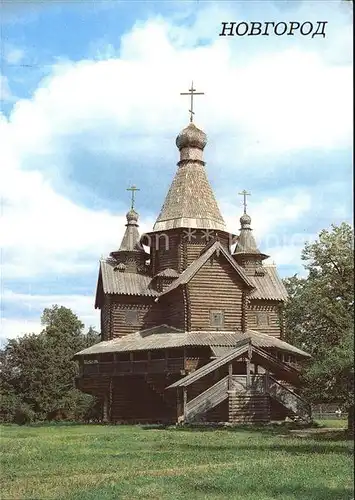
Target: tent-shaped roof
<point>190,202</point>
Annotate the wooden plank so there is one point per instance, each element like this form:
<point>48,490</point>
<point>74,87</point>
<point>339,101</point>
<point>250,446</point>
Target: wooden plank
<point>208,399</point>
<point>289,399</point>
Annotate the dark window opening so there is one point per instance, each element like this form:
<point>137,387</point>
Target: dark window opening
<point>106,358</point>
<point>217,319</point>
<point>140,356</point>
<point>157,354</point>
<point>132,317</point>
<point>123,356</point>
<point>176,353</point>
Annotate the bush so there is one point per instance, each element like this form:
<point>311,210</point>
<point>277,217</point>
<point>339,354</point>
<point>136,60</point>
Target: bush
<point>24,414</point>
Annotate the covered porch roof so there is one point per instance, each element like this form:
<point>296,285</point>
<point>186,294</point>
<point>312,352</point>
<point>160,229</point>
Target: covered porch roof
<point>165,337</point>
<point>255,354</point>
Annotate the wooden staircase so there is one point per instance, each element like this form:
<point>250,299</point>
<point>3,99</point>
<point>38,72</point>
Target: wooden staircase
<point>288,398</point>
<point>259,385</point>
<point>207,400</point>
<point>158,385</point>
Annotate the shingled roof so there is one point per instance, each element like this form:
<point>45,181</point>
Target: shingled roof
<point>268,286</point>
<point>190,202</point>
<point>193,268</point>
<point>164,337</point>
<point>168,273</point>
<point>124,283</point>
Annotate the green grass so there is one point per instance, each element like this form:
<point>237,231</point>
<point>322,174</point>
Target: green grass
<point>77,462</point>
<point>336,423</point>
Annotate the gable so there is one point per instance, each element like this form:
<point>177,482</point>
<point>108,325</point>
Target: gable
<point>217,274</point>
<point>193,268</point>
<point>215,296</point>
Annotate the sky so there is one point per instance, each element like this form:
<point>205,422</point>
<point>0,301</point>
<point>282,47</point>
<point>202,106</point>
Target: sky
<point>90,104</point>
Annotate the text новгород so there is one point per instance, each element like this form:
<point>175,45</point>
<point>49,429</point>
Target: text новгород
<point>271,28</point>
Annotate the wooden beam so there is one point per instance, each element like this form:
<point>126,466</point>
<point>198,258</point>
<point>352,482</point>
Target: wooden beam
<point>248,363</point>
<point>149,357</point>
<point>248,372</point>
<point>166,359</point>
<point>105,409</point>
<point>230,373</point>
<point>184,402</point>
<point>109,408</point>
<point>114,362</point>
<point>267,381</point>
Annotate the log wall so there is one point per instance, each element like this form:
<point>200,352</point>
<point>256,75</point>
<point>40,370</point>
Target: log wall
<point>216,286</point>
<point>172,309</point>
<point>167,252</point>
<point>265,316</point>
<point>249,408</point>
<point>135,400</point>
<point>105,319</point>
<point>114,315</point>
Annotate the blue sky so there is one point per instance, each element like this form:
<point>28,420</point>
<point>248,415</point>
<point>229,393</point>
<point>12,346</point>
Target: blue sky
<point>90,104</point>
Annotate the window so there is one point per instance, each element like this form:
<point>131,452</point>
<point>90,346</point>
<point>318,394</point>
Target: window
<point>263,319</point>
<point>217,319</point>
<point>132,317</point>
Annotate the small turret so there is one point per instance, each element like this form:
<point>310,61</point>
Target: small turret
<point>246,252</point>
<point>131,256</point>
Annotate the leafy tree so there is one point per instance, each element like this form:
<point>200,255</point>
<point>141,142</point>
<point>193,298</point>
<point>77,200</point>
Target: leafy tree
<point>320,317</point>
<point>37,371</point>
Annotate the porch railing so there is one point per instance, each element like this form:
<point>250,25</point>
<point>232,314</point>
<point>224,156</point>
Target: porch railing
<point>173,365</point>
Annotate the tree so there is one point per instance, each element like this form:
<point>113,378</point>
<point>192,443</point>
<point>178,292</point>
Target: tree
<point>38,372</point>
<point>320,317</point>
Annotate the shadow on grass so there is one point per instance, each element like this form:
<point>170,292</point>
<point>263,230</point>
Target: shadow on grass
<point>300,448</point>
<point>211,487</point>
<point>284,429</point>
<point>278,491</point>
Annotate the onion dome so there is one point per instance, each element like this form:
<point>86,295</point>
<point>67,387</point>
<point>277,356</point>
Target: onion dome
<point>245,221</point>
<point>191,137</point>
<point>132,217</point>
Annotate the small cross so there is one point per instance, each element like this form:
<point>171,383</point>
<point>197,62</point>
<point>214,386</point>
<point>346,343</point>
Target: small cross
<point>245,194</point>
<point>191,93</point>
<point>133,189</point>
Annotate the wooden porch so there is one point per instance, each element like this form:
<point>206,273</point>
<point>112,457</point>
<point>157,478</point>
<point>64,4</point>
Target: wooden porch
<point>249,396</point>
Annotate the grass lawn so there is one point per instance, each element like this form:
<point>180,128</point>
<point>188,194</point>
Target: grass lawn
<point>92,462</point>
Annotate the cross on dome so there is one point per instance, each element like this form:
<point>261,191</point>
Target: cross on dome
<point>133,189</point>
<point>245,193</point>
<point>192,92</point>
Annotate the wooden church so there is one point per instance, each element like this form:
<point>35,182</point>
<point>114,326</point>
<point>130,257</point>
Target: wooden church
<point>191,329</point>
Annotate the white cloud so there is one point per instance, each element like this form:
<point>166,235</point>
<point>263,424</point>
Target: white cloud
<point>81,305</point>
<point>12,328</point>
